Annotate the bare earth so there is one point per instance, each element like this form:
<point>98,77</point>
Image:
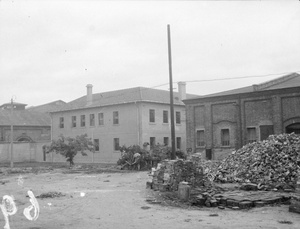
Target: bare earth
<point>118,200</point>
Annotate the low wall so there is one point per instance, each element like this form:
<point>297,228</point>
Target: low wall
<point>22,152</point>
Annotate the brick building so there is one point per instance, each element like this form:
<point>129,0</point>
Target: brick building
<point>219,123</point>
<point>28,126</point>
<point>124,117</point>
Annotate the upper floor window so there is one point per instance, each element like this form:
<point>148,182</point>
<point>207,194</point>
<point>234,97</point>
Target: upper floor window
<point>116,144</point>
<point>165,117</point>
<point>82,120</point>
<point>92,119</point>
<point>61,122</point>
<point>96,144</point>
<point>151,115</point>
<point>200,138</point>
<point>101,119</point>
<point>115,117</point>
<point>251,134</point>
<point>74,121</point>
<point>225,137</point>
<point>178,117</point>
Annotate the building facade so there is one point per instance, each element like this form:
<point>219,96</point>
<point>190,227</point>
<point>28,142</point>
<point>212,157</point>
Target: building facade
<point>220,123</point>
<point>125,117</point>
<point>28,126</point>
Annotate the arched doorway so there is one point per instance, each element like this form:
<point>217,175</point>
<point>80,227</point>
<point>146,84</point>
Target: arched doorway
<point>295,127</point>
<point>24,139</point>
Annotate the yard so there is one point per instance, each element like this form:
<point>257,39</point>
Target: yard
<point>101,196</point>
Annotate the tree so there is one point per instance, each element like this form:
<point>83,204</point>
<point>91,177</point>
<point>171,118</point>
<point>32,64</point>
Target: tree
<point>69,147</point>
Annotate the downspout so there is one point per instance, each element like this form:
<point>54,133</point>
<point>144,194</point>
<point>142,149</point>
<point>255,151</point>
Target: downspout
<point>51,135</point>
<point>138,122</point>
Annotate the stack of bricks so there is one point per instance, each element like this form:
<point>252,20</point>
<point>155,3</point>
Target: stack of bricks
<point>295,199</point>
<point>170,173</point>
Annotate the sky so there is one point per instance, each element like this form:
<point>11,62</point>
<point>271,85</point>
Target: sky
<point>50,50</point>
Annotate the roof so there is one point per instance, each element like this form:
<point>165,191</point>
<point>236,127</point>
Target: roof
<point>48,107</point>
<point>130,95</point>
<point>24,118</point>
<point>286,81</point>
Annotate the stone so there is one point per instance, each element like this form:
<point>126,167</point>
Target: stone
<point>246,204</point>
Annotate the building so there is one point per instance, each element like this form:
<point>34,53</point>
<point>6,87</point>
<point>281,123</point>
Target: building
<point>28,126</point>
<point>219,123</point>
<point>128,117</point>
<point>48,107</point>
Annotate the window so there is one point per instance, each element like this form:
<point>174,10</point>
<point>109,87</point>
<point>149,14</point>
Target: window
<point>116,144</point>
<point>61,122</point>
<point>92,119</point>
<point>152,142</point>
<point>178,117</point>
<point>165,116</point>
<point>166,141</point>
<point>115,117</point>
<point>178,142</point>
<point>82,120</point>
<point>151,115</point>
<point>251,134</point>
<point>200,138</point>
<point>225,137</point>
<point>74,121</point>
<point>96,144</point>
<point>101,119</point>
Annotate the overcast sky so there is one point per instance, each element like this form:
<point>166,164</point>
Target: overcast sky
<point>50,50</point>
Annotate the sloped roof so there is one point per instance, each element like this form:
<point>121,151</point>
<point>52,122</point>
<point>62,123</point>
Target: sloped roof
<point>48,107</point>
<point>137,94</point>
<point>286,81</point>
<point>24,118</point>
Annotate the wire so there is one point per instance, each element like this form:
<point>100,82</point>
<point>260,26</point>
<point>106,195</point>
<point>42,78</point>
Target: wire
<point>243,77</point>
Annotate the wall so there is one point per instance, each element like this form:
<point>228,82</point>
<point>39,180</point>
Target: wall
<point>158,129</point>
<point>278,108</point>
<point>36,133</point>
<point>22,152</point>
<point>127,130</point>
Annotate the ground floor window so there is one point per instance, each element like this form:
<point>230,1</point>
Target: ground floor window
<point>225,137</point>
<point>116,144</point>
<point>178,142</point>
<point>152,142</point>
<point>166,141</point>
<point>96,145</point>
<point>200,138</point>
<point>251,134</point>
<point>293,128</point>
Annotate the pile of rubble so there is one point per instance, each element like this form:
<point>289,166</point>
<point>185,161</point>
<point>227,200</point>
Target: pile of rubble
<point>271,164</point>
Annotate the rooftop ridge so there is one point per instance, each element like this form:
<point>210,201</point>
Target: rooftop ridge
<point>261,86</point>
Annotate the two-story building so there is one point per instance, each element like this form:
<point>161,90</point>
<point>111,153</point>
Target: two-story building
<point>128,117</point>
<point>219,123</point>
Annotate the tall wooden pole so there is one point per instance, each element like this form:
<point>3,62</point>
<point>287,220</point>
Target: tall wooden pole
<point>171,96</point>
<point>11,135</point>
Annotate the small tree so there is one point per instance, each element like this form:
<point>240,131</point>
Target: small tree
<point>69,147</point>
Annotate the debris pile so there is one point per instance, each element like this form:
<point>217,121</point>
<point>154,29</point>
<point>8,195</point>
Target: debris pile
<point>169,173</point>
<point>50,195</point>
<point>270,164</point>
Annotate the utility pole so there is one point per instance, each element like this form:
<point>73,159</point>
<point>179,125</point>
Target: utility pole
<point>11,134</point>
<point>171,96</point>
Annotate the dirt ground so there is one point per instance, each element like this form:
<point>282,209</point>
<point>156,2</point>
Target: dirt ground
<point>121,200</point>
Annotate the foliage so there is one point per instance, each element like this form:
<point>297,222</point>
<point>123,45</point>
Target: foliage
<point>69,147</point>
<point>130,159</point>
<point>156,154</point>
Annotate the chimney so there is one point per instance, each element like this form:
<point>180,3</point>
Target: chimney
<point>182,90</point>
<point>89,95</point>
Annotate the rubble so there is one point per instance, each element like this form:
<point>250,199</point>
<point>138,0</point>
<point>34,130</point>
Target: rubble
<point>273,163</point>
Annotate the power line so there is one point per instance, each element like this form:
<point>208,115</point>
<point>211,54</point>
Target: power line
<point>243,77</point>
